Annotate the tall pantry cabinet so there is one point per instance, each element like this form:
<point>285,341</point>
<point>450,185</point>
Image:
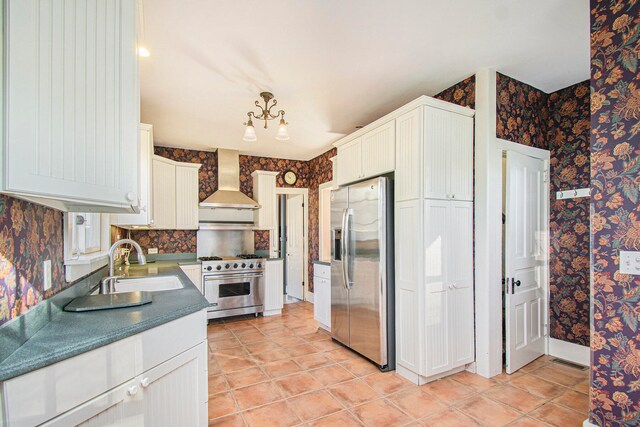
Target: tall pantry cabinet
<point>434,240</point>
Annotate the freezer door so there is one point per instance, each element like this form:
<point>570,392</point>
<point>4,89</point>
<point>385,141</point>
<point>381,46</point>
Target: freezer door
<point>339,292</point>
<point>367,294</point>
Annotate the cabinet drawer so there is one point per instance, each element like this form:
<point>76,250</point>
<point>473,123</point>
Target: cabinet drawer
<point>323,271</point>
<point>64,385</point>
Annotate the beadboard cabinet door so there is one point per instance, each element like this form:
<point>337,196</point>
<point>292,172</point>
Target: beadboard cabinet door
<point>350,162</point>
<point>379,150</point>
<point>71,104</point>
<point>448,155</point>
<point>273,287</point>
<point>187,197</point>
<point>408,155</point>
<point>164,193</point>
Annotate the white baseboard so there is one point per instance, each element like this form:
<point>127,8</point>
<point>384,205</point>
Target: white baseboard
<point>586,423</point>
<point>575,353</point>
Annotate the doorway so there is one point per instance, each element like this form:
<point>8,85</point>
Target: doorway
<point>525,246</point>
<point>292,238</point>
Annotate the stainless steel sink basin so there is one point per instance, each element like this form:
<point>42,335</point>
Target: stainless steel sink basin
<point>151,284</point>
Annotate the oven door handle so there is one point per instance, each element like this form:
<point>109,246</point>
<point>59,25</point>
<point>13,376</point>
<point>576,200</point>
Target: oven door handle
<point>225,278</point>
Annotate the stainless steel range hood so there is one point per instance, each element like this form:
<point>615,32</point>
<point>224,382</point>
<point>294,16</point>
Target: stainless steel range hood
<point>228,195</point>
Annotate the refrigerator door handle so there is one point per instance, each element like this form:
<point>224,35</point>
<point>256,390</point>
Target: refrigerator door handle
<point>346,242</point>
<point>342,250</point>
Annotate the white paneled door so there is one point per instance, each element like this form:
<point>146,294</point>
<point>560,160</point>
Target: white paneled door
<point>525,257</point>
<point>295,246</point>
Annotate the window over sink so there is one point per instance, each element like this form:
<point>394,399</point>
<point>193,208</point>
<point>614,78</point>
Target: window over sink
<point>86,243</point>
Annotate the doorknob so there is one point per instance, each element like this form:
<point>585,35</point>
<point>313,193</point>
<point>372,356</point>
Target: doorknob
<point>516,283</point>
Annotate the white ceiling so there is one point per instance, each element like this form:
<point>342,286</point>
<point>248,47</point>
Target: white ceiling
<point>336,64</point>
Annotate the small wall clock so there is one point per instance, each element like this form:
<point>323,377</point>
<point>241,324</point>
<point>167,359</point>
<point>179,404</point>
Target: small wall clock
<point>290,177</point>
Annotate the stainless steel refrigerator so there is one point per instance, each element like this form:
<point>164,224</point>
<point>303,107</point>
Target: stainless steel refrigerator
<point>362,292</point>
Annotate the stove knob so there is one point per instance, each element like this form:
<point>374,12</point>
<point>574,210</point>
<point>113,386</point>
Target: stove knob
<point>244,265</point>
<point>235,265</point>
<point>219,267</point>
<point>209,268</point>
<point>227,266</point>
<point>250,265</point>
<point>259,265</point>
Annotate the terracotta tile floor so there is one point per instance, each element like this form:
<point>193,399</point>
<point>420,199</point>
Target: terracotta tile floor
<point>284,371</point>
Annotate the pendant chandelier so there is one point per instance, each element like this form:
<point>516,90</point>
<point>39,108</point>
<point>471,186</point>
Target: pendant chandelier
<point>266,115</point>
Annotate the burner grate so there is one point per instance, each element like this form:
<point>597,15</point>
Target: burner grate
<point>210,258</point>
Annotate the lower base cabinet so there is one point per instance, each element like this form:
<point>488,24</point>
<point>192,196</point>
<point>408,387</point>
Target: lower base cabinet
<point>322,295</point>
<point>273,287</point>
<point>194,273</point>
<point>168,385</point>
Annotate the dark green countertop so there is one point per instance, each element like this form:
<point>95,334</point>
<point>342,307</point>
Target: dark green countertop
<point>67,334</point>
<point>322,262</point>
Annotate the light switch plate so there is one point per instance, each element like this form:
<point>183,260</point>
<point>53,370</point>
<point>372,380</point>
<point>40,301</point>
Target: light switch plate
<point>46,266</point>
<point>152,251</point>
<point>630,262</point>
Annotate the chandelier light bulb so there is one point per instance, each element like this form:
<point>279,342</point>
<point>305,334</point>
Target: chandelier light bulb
<point>282,134</point>
<point>250,132</point>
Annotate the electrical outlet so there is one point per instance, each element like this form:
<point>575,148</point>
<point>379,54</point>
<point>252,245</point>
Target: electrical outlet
<point>152,251</point>
<point>46,266</point>
<point>630,262</point>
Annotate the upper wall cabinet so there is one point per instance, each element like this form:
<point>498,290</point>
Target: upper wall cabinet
<point>71,104</point>
<point>370,155</point>
<point>448,155</point>
<point>264,192</point>
<point>175,194</point>
<point>145,169</point>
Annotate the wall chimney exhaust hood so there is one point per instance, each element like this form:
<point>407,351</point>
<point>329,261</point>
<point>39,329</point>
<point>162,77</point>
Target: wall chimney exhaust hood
<point>228,195</point>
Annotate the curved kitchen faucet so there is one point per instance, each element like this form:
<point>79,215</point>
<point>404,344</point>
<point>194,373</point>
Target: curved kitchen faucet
<point>105,284</point>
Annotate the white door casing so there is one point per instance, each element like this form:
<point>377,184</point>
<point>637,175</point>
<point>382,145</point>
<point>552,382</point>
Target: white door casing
<point>295,246</point>
<point>525,258</point>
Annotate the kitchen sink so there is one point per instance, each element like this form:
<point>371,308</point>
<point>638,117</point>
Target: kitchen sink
<point>151,284</point>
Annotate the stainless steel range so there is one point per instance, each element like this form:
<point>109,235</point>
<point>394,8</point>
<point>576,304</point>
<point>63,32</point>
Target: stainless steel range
<point>233,285</point>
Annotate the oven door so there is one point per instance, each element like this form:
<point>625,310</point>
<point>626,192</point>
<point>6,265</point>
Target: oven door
<point>225,292</point>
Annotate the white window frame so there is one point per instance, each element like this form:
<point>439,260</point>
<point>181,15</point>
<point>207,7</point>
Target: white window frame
<point>80,265</point>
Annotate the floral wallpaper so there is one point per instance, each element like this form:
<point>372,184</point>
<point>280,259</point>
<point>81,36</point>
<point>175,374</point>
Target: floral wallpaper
<point>320,171</point>
<point>261,240</point>
<point>522,112</point>
<point>167,241</point>
<point>462,93</point>
<point>568,136</point>
<point>29,235</point>
<point>558,122</point>
<point>615,211</point>
<point>249,164</point>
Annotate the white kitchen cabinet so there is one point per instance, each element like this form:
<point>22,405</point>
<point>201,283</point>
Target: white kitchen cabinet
<point>175,194</point>
<point>370,155</point>
<point>448,155</point>
<point>71,104</point>
<point>379,151</point>
<point>433,191</point>
<point>448,255</point>
<point>157,377</point>
<point>118,407</point>
<point>187,196</point>
<point>273,287</point>
<point>350,162</point>
<point>164,193</point>
<point>264,192</point>
<point>194,273</point>
<point>409,134</point>
<point>322,295</point>
<point>145,217</point>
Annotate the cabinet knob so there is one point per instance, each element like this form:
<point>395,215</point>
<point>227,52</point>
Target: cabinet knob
<point>453,196</point>
<point>130,196</point>
<point>145,382</point>
<point>131,391</point>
